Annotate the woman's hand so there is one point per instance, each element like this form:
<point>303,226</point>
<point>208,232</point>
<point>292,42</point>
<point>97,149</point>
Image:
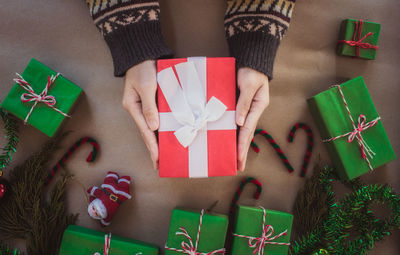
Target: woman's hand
<point>139,100</point>
<point>253,99</point>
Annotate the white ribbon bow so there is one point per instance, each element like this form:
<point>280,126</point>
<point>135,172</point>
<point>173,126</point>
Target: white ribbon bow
<point>188,103</point>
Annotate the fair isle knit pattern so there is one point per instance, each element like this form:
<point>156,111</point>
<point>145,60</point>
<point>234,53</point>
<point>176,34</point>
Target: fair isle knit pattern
<point>268,16</point>
<point>109,15</point>
<point>132,31</point>
<point>254,29</point>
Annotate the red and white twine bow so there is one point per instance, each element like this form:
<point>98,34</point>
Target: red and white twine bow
<point>366,151</point>
<point>188,247</point>
<point>267,237</point>
<point>107,242</point>
<point>43,97</point>
<point>357,40</point>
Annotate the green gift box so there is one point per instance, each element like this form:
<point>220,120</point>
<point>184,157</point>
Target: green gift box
<point>82,241</point>
<point>203,232</point>
<point>333,120</point>
<point>251,225</point>
<point>358,38</point>
<point>44,116</point>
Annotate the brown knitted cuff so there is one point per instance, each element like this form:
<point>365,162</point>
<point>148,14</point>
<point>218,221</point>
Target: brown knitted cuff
<point>135,43</point>
<point>256,50</point>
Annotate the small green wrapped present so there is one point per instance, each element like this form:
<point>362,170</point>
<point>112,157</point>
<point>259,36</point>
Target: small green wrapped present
<point>358,38</point>
<point>260,231</point>
<point>82,241</point>
<point>191,231</point>
<point>354,135</point>
<point>41,97</point>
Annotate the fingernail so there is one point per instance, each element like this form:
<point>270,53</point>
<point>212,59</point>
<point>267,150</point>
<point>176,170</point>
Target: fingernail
<point>153,125</point>
<point>240,120</point>
<point>240,167</point>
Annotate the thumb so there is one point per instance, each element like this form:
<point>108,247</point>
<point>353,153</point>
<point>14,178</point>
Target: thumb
<point>149,107</point>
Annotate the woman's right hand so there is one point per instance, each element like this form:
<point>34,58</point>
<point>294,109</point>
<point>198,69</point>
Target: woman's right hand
<point>139,99</point>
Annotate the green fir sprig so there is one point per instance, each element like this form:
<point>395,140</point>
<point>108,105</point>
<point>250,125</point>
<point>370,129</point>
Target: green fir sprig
<point>31,211</point>
<point>11,135</point>
<point>326,224</point>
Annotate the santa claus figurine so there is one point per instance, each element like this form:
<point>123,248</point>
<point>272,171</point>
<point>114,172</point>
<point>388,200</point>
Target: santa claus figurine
<point>106,199</point>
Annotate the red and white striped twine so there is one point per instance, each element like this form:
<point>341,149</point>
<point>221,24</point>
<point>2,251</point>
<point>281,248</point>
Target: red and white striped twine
<point>189,248</point>
<point>258,243</point>
<point>107,242</point>
<point>366,151</point>
<point>43,97</point>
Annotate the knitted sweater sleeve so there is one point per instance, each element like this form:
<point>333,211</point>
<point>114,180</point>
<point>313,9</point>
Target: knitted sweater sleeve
<point>131,29</point>
<point>254,29</point>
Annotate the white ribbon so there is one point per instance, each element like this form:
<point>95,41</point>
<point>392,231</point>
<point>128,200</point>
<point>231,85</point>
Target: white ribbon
<point>191,115</point>
<point>188,103</point>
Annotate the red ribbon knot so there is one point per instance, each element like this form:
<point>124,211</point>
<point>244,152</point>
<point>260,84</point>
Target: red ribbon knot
<point>357,41</point>
<point>43,97</point>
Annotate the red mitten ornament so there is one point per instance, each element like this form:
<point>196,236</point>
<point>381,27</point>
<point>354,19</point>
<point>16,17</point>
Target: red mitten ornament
<point>106,199</point>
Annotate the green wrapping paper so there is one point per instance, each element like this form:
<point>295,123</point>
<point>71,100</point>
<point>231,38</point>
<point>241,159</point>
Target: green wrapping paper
<point>82,241</point>
<point>249,222</point>
<point>212,234</point>
<point>347,30</point>
<point>44,118</point>
<point>332,119</point>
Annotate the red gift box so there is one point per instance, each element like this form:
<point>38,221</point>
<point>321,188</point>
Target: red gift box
<point>198,137</point>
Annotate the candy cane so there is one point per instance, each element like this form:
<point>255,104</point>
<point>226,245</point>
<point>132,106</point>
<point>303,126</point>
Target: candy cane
<point>278,149</point>
<point>90,158</point>
<point>282,156</point>
<point>239,192</point>
<point>310,144</point>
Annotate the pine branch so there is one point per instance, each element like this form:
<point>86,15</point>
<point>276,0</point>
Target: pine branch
<point>27,214</point>
<point>352,213</point>
<point>11,134</point>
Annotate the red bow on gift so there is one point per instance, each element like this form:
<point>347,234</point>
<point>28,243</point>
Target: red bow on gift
<point>357,41</point>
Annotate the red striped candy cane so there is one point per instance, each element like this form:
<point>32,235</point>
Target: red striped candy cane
<point>278,150</point>
<point>239,192</point>
<point>274,145</point>
<point>309,148</point>
<point>90,158</point>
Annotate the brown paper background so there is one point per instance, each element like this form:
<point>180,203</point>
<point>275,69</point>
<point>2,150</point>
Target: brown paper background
<point>61,35</point>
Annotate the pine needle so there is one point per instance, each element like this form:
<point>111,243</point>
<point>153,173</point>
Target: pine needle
<point>27,214</point>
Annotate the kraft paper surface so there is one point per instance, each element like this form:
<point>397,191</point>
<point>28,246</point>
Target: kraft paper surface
<point>61,35</point>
